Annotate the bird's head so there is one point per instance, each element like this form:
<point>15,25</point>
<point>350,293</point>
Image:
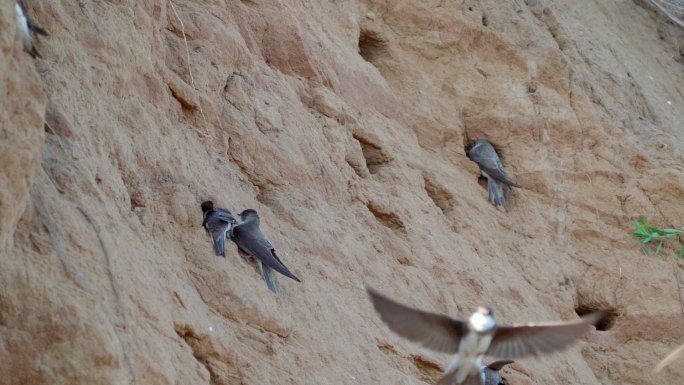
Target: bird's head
<point>475,145</point>
<point>207,205</point>
<point>249,215</point>
<point>483,319</point>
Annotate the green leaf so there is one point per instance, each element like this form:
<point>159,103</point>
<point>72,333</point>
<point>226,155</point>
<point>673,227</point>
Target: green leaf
<point>681,252</point>
<point>660,246</point>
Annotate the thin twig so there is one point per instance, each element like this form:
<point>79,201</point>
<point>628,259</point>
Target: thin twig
<point>187,52</point>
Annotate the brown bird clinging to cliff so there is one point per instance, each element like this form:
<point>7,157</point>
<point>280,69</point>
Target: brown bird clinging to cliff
<point>218,222</point>
<point>250,240</point>
<point>483,153</point>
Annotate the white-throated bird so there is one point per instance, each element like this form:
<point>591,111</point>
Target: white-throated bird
<point>471,339</point>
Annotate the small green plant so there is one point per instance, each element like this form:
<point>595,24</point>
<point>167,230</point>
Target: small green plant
<point>646,233</point>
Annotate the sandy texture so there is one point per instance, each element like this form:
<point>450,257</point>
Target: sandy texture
<point>343,123</point>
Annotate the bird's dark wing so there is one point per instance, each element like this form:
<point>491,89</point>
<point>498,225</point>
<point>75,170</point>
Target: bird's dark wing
<point>218,237</point>
<point>218,216</point>
<point>497,365</point>
<point>434,331</point>
<point>224,215</point>
<point>218,223</point>
<point>533,339</point>
<point>486,157</point>
<point>495,192</point>
<point>498,174</point>
<point>250,239</point>
<point>267,275</point>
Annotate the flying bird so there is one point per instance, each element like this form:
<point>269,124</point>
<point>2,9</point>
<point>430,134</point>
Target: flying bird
<point>250,240</point>
<point>489,374</point>
<point>471,339</point>
<point>483,153</point>
<point>218,222</point>
<point>26,28</point>
<point>675,354</point>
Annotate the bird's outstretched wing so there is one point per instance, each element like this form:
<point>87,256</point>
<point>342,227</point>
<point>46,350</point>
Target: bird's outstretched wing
<point>537,338</point>
<point>434,331</point>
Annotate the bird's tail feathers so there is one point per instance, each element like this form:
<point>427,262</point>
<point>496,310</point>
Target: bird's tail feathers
<point>219,245</point>
<point>269,277</point>
<point>496,192</point>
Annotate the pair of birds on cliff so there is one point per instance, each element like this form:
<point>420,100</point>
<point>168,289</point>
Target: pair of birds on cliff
<point>27,28</point>
<point>252,243</point>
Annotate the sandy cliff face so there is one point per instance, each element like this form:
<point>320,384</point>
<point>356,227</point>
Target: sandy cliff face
<point>343,123</point>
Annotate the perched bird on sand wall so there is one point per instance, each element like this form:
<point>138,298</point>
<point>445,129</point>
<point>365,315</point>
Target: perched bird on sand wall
<point>250,240</point>
<point>483,153</point>
<point>471,339</point>
<point>218,222</point>
<point>675,354</point>
<point>26,28</point>
<point>489,374</point>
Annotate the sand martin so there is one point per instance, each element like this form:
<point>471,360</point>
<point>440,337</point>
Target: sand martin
<point>249,238</point>
<point>482,152</point>
<point>471,339</point>
<point>26,28</point>
<point>489,374</point>
<point>673,355</point>
<point>218,222</point>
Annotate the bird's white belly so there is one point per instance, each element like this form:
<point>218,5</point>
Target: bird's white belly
<point>469,358</point>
